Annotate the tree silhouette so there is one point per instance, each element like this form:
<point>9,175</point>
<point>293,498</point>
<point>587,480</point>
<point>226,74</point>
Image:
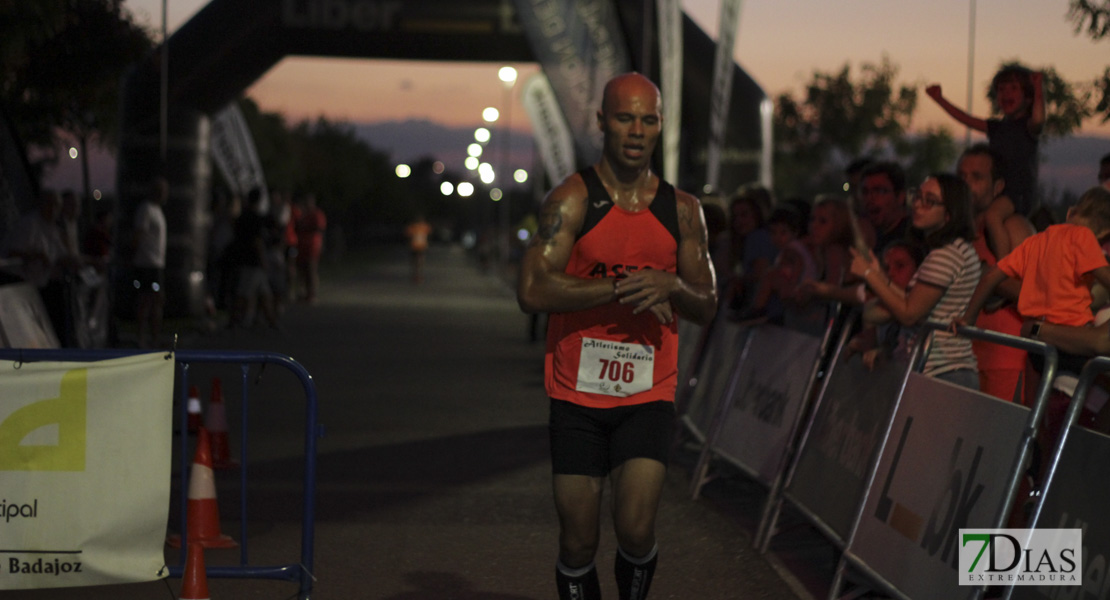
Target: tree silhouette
<point>62,61</point>
<point>1093,18</point>
<point>841,118</point>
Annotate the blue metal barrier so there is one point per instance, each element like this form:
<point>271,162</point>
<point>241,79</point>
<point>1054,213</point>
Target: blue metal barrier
<point>301,571</point>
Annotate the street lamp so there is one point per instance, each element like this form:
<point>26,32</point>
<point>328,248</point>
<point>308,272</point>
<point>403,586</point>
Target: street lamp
<point>507,75</point>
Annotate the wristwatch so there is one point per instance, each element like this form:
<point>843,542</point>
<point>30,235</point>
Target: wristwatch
<point>1035,330</point>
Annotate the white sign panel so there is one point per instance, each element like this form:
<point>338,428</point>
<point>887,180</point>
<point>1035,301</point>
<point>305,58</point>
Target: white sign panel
<point>945,467</point>
<point>85,471</point>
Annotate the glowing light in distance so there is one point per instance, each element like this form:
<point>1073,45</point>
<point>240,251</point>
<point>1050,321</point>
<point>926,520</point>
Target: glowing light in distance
<point>72,152</point>
<point>485,173</point>
<point>446,188</point>
<point>495,194</point>
<point>520,176</point>
<point>466,189</point>
<point>474,149</point>
<point>507,74</point>
<point>522,235</point>
<point>403,171</point>
<point>471,162</point>
<point>490,114</point>
<point>437,167</point>
<point>481,135</point>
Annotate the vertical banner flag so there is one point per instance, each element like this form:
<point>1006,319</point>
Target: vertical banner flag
<point>721,93</point>
<point>553,138</point>
<point>234,152</point>
<point>670,69</point>
<point>580,46</point>
<point>85,471</point>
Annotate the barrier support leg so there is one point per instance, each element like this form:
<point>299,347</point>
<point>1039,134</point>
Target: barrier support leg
<point>701,471</point>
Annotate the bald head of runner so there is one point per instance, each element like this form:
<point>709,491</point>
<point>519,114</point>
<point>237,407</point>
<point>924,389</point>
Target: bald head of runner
<point>631,120</point>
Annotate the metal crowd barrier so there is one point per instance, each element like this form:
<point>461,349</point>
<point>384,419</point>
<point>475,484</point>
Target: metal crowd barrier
<point>697,396</point>
<point>821,466</point>
<point>1074,496</point>
<point>754,424</point>
<point>300,571</point>
<point>903,536</point>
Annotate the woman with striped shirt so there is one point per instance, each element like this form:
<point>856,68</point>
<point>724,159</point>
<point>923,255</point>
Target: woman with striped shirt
<point>943,284</point>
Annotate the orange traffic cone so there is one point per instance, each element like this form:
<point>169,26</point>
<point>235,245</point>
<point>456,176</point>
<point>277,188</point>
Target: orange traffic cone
<point>195,417</point>
<point>194,582</point>
<point>203,512</point>
<point>217,427</point>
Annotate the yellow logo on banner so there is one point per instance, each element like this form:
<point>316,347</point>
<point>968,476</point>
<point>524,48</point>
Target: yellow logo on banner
<point>67,411</point>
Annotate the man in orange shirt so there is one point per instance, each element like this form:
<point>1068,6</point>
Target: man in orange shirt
<point>417,233</point>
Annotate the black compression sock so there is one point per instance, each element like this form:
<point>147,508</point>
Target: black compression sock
<point>577,584</point>
<point>634,574</point>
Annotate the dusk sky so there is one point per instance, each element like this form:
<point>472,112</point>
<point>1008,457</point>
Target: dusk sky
<point>780,43</point>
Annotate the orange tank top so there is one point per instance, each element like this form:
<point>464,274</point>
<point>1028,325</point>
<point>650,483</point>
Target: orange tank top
<point>606,356</point>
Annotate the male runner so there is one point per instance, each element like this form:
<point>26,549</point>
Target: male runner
<point>617,250</point>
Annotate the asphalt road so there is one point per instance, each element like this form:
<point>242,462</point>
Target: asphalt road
<point>433,475</point>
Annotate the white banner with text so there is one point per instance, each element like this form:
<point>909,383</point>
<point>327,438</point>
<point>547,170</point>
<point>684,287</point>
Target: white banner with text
<point>85,471</point>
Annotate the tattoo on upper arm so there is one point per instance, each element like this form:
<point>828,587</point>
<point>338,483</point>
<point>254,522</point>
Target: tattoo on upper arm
<point>689,224</point>
<point>551,222</point>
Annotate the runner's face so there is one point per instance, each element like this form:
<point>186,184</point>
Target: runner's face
<point>631,123</point>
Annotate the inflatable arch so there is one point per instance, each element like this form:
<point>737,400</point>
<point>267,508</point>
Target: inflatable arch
<point>229,44</point>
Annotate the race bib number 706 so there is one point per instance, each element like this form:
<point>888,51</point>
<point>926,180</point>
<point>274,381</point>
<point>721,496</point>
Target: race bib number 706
<point>615,368</point>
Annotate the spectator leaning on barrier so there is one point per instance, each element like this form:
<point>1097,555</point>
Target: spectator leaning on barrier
<point>999,230</point>
<point>943,284</point>
<point>880,337</point>
<point>611,292</point>
<point>793,265</point>
<point>752,250</point>
<point>1055,268</point>
<point>830,236</point>
<point>881,193</point>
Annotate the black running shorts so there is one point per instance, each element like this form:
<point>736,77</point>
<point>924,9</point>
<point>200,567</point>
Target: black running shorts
<point>593,441</point>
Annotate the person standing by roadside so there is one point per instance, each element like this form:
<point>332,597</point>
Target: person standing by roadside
<point>149,262</point>
<point>310,226</point>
